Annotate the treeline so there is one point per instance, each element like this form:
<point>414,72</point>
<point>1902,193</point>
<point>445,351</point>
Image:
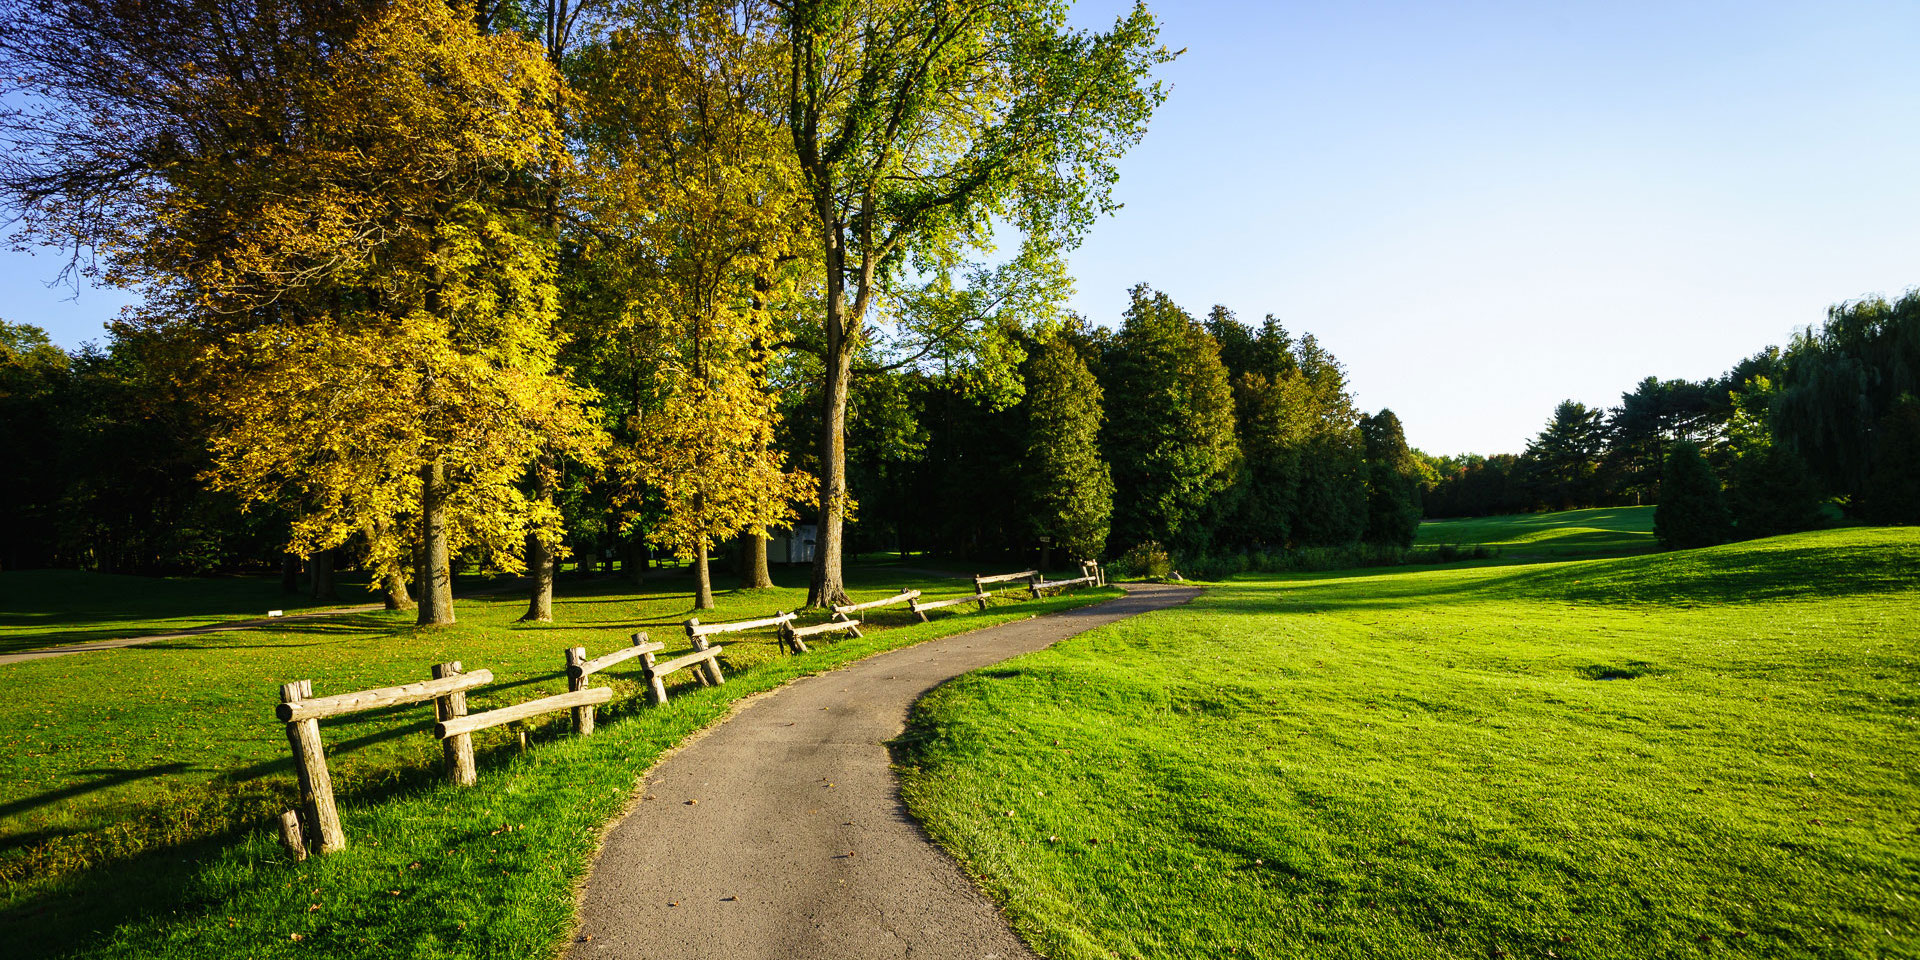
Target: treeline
<point>430,279</point>
<point>1171,433</point>
<point>1830,421</point>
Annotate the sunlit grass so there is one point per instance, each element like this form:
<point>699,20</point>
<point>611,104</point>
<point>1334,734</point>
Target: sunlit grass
<point>1567,533</point>
<point>1701,753</point>
<point>135,784</point>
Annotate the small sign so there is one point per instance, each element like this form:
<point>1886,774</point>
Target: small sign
<point>276,613</point>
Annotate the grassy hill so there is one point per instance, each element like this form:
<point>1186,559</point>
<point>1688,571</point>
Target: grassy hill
<point>1700,753</point>
<point>1566,534</point>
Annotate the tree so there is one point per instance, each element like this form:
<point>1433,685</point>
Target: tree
<point>364,309</point>
<point>1393,482</point>
<point>1170,422</point>
<point>1692,512</point>
<point>1892,492</point>
<point>1069,489</point>
<point>921,127</point>
<point>1563,462</point>
<point>1839,383</point>
<point>697,209</point>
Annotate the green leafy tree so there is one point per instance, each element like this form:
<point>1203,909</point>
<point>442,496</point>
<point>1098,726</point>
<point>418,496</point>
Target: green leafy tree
<point>1692,510</point>
<point>1393,481</point>
<point>922,128</point>
<point>1069,488</point>
<point>1892,493</point>
<point>1838,384</point>
<point>1170,422</point>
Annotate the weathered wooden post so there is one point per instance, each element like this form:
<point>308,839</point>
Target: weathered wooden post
<point>980,590</point>
<point>790,638</point>
<point>290,835</point>
<point>655,686</point>
<point>576,681</point>
<point>459,750</point>
<point>709,672</point>
<point>310,763</point>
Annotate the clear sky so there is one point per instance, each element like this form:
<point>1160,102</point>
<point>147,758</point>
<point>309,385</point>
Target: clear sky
<point>1486,208</point>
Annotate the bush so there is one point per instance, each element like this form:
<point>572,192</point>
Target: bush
<point>1146,561</point>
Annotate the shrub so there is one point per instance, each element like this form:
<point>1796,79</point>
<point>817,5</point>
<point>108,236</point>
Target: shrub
<point>1145,561</point>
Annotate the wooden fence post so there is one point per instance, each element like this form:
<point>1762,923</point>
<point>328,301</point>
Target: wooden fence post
<point>577,680</point>
<point>310,763</point>
<point>459,750</point>
<point>290,835</point>
<point>708,672</point>
<point>655,686</point>
<point>980,590</point>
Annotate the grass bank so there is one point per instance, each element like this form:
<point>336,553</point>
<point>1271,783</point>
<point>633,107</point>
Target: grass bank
<point>1563,535</point>
<point>135,784</point>
<point>1689,754</point>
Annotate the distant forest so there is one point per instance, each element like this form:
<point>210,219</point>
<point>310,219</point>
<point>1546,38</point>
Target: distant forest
<point>1199,437</point>
<point>1788,436</point>
<point>1196,436</point>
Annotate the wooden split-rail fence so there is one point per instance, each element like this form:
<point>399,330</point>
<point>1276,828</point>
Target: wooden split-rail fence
<point>316,824</point>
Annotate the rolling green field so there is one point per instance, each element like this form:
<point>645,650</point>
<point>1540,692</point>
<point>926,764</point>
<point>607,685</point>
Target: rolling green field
<point>136,785</point>
<point>1708,753</point>
<point>49,608</point>
<point>1567,534</point>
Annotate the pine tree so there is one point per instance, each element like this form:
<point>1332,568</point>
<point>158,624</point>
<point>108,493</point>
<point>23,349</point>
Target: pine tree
<point>1692,511</point>
<point>1069,489</point>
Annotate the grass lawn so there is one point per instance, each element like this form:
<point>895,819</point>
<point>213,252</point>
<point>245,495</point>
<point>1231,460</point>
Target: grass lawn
<point>136,784</point>
<point>1567,534</point>
<point>1708,753</point>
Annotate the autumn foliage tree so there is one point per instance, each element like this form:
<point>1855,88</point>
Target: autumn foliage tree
<point>371,313</point>
<point>697,220</point>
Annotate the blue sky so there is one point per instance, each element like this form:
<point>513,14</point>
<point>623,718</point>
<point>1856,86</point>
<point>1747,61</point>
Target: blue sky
<point>1486,208</point>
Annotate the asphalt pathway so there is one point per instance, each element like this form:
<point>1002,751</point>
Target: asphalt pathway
<point>781,833</point>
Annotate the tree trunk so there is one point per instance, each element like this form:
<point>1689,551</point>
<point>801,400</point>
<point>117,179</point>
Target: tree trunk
<point>635,564</point>
<point>393,589</point>
<point>756,576</point>
<point>322,564</point>
<point>702,578</point>
<point>540,569</point>
<point>289,573</point>
<point>540,560</point>
<point>829,577</point>
<point>436,562</point>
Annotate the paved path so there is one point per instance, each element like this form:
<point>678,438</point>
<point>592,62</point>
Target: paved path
<point>781,834</point>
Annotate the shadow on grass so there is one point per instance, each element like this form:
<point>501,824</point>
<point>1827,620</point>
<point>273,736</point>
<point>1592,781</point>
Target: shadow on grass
<point>103,778</point>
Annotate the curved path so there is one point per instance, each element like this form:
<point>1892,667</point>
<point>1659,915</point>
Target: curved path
<point>781,834</point>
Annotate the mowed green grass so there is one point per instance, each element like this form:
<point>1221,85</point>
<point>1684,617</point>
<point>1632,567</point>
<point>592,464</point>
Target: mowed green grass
<point>137,785</point>
<point>1708,753</point>
<point>1566,534</point>
<point>47,608</point>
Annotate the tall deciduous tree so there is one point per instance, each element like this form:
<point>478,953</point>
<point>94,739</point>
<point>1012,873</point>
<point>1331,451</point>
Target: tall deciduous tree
<point>1069,488</point>
<point>697,206</point>
<point>369,311</point>
<point>1169,434</point>
<point>920,126</point>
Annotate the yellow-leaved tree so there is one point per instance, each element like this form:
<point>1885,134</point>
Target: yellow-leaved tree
<point>379,338</point>
<point>695,202</point>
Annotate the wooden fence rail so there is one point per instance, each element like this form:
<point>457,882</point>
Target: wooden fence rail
<point>904,596</point>
<point>521,711</point>
<point>579,669</point>
<point>706,657</point>
<point>920,609</point>
<point>316,825</point>
<point>796,637</point>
